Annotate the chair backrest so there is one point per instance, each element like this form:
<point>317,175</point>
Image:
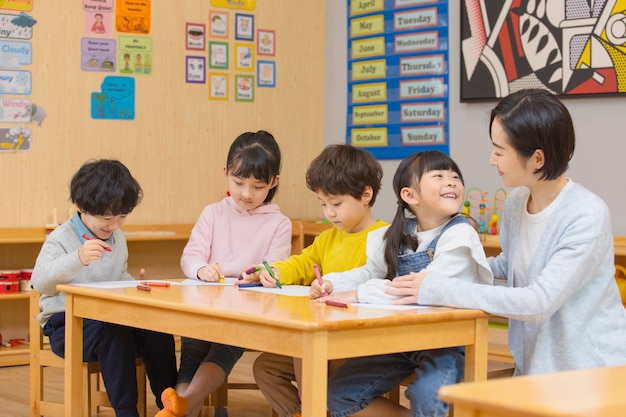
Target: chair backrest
<point>297,237</point>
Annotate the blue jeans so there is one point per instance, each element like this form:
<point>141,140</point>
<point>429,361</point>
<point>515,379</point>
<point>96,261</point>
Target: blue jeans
<point>358,381</point>
<point>194,352</point>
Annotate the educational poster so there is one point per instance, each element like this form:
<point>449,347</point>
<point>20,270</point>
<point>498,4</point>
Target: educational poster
<point>398,77</point>
<point>240,4</point>
<point>98,16</point>
<point>15,110</point>
<point>218,86</point>
<point>196,66</point>
<point>18,5</point>
<point>116,100</point>
<point>98,54</point>
<point>244,27</point>
<point>15,54</point>
<point>195,36</point>
<point>244,85</point>
<point>15,82</point>
<point>16,138</point>
<point>16,26</point>
<point>219,24</point>
<point>135,55</point>
<point>133,16</point>
<point>266,73</point>
<point>266,42</point>
<point>244,56</point>
<point>218,55</point>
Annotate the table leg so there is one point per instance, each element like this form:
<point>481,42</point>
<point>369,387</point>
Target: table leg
<point>73,360</point>
<point>476,354</point>
<point>314,374</point>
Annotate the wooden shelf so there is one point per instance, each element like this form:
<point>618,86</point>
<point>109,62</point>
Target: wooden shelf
<point>155,247</point>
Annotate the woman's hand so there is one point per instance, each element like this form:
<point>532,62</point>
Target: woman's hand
<point>406,286</point>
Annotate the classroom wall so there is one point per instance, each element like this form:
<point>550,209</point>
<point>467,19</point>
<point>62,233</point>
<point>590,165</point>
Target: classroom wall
<point>598,161</point>
<point>177,144</point>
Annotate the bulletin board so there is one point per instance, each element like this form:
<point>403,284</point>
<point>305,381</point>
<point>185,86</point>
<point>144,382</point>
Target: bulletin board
<point>149,111</point>
<point>398,76</point>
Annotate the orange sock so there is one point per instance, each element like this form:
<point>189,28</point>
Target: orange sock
<point>164,413</point>
<point>173,403</point>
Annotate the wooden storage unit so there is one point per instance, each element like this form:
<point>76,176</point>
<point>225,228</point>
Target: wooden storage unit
<point>157,248</point>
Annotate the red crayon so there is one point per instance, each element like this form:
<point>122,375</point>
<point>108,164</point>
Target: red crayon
<point>87,237</point>
<point>143,288</point>
<point>336,304</point>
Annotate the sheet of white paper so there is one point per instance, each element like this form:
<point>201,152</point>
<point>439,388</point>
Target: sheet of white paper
<point>130,284</point>
<point>196,282</point>
<point>390,306</point>
<point>290,290</point>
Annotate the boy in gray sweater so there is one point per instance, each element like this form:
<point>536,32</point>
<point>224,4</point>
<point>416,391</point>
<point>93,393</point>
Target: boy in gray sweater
<point>90,247</point>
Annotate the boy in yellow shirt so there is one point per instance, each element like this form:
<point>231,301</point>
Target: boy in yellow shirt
<point>346,181</point>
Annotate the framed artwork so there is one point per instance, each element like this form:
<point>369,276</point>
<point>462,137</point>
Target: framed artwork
<point>266,42</point>
<point>569,47</point>
<point>218,24</point>
<point>244,27</point>
<point>195,34</point>
<point>196,69</point>
<point>218,55</point>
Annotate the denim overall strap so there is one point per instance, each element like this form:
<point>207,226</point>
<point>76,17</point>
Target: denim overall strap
<point>416,261</point>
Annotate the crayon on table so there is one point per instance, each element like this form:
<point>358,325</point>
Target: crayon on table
<point>336,304</point>
<point>143,287</point>
<point>155,283</point>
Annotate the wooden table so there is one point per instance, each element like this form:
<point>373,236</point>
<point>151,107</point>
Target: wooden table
<point>279,324</point>
<point>595,392</point>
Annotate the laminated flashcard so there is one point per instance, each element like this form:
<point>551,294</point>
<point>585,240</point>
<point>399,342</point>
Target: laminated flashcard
<point>196,69</point>
<point>134,55</point>
<point>116,100</point>
<point>266,42</point>
<point>219,24</point>
<point>15,82</point>
<point>98,17</point>
<point>218,86</point>
<point>195,35</point>
<point>244,88</point>
<point>244,27</point>
<point>97,54</point>
<point>16,27</point>
<point>244,56</point>
<point>15,54</point>
<point>16,138</point>
<point>218,55</point>
<point>266,71</point>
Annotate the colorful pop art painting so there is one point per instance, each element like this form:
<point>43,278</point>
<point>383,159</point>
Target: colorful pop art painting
<point>569,47</point>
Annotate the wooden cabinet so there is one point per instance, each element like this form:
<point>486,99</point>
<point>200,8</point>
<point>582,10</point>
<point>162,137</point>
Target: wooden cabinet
<point>157,248</point>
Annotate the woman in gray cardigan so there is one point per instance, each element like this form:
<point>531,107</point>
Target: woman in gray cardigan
<point>561,298</point>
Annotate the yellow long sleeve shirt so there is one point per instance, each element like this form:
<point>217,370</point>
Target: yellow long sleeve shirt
<point>333,250</point>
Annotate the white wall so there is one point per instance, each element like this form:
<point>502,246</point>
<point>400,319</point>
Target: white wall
<point>599,162</point>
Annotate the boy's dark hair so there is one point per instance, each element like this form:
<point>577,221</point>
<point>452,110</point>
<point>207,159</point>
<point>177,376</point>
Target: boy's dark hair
<point>536,119</point>
<point>344,170</point>
<point>255,155</point>
<point>103,187</point>
<point>408,174</point>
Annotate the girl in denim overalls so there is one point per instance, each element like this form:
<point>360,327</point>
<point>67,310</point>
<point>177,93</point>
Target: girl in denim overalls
<point>427,234</point>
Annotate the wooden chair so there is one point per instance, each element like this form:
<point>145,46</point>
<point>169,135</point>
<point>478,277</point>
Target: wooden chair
<point>219,399</point>
<point>42,358</point>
